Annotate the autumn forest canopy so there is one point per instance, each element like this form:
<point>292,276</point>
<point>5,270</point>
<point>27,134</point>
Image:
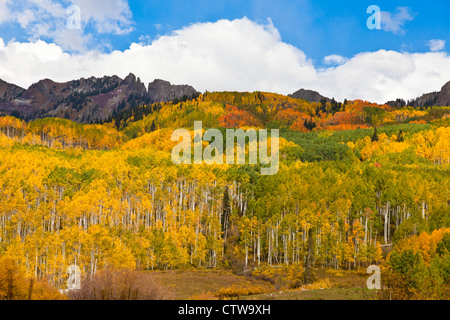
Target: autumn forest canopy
<point>358,184</point>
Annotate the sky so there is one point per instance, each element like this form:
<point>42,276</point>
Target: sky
<point>334,47</point>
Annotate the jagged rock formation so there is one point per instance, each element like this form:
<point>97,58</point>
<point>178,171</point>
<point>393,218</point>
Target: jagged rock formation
<point>85,100</point>
<point>444,96</point>
<point>441,98</point>
<point>309,95</point>
<point>9,91</point>
<point>163,91</point>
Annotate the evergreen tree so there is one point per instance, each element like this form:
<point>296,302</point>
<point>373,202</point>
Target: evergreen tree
<point>375,135</point>
<point>153,126</point>
<point>400,137</point>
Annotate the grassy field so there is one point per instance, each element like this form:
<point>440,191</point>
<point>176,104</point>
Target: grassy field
<point>317,294</point>
<point>205,284</point>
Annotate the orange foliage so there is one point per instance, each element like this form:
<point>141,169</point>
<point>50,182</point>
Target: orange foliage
<point>418,122</point>
<point>293,119</point>
<point>299,126</point>
<point>340,118</point>
<point>235,118</point>
<point>289,115</point>
<point>424,243</point>
<point>343,127</point>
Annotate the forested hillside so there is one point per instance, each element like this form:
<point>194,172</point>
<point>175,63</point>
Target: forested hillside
<point>356,181</point>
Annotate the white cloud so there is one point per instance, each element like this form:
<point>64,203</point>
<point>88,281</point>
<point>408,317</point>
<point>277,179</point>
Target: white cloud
<point>4,11</point>
<point>386,75</point>
<point>236,55</point>
<point>394,22</point>
<point>145,40</point>
<point>334,59</point>
<point>47,19</point>
<point>109,16</point>
<point>436,45</point>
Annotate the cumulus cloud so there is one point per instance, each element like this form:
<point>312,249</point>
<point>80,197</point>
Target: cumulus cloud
<point>4,11</point>
<point>394,22</point>
<point>226,55</point>
<point>385,75</point>
<point>334,59</point>
<point>48,19</point>
<point>108,16</point>
<point>236,55</point>
<point>436,45</point>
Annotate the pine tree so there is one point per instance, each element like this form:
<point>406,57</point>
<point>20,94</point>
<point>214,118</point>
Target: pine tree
<point>375,135</point>
<point>400,137</point>
<point>153,126</point>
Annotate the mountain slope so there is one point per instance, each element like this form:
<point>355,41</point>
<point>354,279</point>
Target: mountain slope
<point>163,91</point>
<point>85,100</point>
<point>440,98</point>
<point>309,95</point>
<point>9,91</point>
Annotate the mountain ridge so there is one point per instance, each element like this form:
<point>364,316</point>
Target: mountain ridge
<point>309,95</point>
<point>97,99</point>
<point>436,98</point>
<point>86,99</point>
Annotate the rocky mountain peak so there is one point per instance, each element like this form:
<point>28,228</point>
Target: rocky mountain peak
<point>86,99</point>
<point>9,91</point>
<point>440,98</point>
<point>444,96</point>
<point>308,95</point>
<point>130,79</point>
<point>163,91</point>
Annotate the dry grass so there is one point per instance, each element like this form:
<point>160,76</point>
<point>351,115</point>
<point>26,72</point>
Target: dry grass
<point>344,278</point>
<point>196,284</point>
<point>330,284</point>
<point>320,284</point>
<point>317,294</point>
<point>204,296</point>
<point>207,284</point>
<point>111,284</point>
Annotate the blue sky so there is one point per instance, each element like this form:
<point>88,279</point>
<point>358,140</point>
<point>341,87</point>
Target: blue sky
<point>319,28</point>
<point>312,44</point>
